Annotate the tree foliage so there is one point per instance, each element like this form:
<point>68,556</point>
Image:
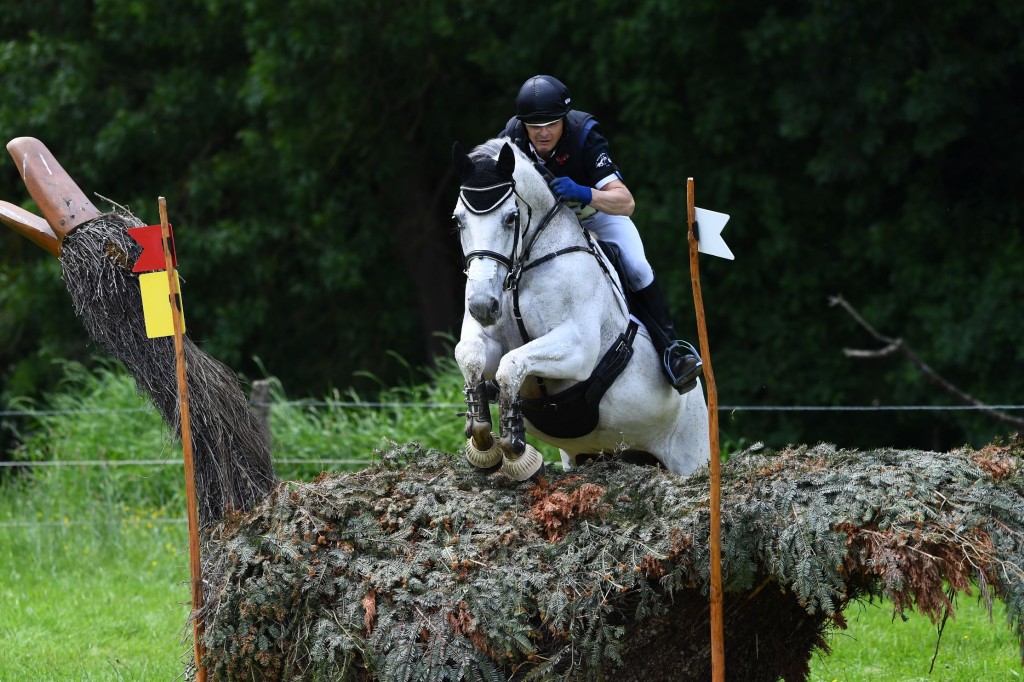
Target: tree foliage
<point>864,149</point>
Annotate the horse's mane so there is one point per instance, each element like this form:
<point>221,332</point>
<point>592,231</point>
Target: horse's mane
<point>490,149</point>
<point>525,170</point>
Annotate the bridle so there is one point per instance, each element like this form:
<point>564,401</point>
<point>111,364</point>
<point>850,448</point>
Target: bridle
<point>518,262</point>
<point>522,239</point>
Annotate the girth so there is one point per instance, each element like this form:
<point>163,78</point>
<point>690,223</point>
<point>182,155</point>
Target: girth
<point>575,412</point>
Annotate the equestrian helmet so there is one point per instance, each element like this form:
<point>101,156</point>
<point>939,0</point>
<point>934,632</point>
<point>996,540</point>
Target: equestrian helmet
<point>542,99</point>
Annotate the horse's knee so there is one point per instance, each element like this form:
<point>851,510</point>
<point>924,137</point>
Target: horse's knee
<point>510,376</point>
<point>470,357</point>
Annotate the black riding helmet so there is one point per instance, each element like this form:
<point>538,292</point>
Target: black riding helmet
<point>542,99</point>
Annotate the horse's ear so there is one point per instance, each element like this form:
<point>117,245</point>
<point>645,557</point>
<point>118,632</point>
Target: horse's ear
<point>506,161</point>
<point>461,160</point>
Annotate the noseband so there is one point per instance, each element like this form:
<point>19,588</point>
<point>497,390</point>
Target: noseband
<point>474,199</point>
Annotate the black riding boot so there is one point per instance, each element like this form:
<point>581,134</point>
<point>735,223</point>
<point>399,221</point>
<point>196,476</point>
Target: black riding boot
<point>680,359</point>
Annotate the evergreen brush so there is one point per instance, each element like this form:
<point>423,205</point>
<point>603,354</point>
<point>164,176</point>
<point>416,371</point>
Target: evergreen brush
<point>419,569</point>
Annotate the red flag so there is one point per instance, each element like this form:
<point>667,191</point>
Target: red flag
<point>152,258</point>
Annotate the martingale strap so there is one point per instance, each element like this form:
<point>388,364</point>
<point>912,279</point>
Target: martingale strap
<point>518,271</point>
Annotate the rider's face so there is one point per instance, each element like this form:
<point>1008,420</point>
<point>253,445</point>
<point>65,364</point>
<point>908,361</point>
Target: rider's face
<point>545,137</point>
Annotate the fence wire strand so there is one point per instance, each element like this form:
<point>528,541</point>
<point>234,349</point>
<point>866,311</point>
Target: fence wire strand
<point>363,405</point>
<point>447,406</point>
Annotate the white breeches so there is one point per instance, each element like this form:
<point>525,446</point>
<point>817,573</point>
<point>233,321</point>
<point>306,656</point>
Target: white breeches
<point>620,231</point>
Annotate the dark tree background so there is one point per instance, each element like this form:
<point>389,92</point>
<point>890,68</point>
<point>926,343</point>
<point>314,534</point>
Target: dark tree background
<point>869,149</point>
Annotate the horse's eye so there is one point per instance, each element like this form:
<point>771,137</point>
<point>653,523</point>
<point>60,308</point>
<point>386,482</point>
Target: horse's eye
<point>456,223</point>
<point>511,219</point>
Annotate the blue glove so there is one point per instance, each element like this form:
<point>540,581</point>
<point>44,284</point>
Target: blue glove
<point>567,190</point>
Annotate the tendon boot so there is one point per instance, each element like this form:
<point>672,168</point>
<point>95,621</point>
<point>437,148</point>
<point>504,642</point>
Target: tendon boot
<point>478,430</point>
<point>679,359</point>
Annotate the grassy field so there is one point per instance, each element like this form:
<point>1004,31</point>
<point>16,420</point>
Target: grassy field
<point>94,560</point>
<point>878,648</point>
<point>77,608</point>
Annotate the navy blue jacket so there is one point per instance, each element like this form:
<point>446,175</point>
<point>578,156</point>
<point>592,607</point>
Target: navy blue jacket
<point>581,152</point>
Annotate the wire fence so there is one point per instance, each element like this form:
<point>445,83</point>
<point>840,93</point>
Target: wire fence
<point>349,462</point>
<point>343,405</point>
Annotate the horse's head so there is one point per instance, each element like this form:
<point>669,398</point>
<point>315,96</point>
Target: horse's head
<point>498,195</point>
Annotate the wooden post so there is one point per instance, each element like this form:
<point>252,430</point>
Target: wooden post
<point>717,635</point>
<point>260,402</point>
<point>30,226</point>
<point>186,446</point>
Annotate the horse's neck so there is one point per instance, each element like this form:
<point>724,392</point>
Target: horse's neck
<point>564,234</point>
<point>571,288</point>
<point>562,229</point>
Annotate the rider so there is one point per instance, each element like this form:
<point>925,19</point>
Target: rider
<point>569,144</point>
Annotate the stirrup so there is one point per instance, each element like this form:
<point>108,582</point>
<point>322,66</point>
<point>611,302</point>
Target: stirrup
<point>688,381</point>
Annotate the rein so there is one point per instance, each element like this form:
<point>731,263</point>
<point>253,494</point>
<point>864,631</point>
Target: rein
<point>518,262</point>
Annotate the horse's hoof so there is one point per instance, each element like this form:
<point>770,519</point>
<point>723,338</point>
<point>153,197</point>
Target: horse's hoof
<point>539,474</point>
<point>525,466</point>
<point>483,459</point>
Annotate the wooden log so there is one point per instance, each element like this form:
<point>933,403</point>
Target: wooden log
<point>259,400</point>
<point>62,203</point>
<point>30,226</point>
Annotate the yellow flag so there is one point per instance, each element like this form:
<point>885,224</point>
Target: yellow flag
<point>156,305</point>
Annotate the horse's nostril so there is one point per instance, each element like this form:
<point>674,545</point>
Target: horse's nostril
<point>485,310</point>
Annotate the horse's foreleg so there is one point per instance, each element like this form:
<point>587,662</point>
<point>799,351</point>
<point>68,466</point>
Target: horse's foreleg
<point>568,352</point>
<point>481,450</point>
<point>513,426</point>
<point>520,461</point>
<point>477,354</point>
<point>478,415</point>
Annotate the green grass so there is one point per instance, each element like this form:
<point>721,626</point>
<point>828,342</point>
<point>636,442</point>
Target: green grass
<point>94,560</point>
<point>93,608</point>
<point>89,591</point>
<point>875,647</point>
